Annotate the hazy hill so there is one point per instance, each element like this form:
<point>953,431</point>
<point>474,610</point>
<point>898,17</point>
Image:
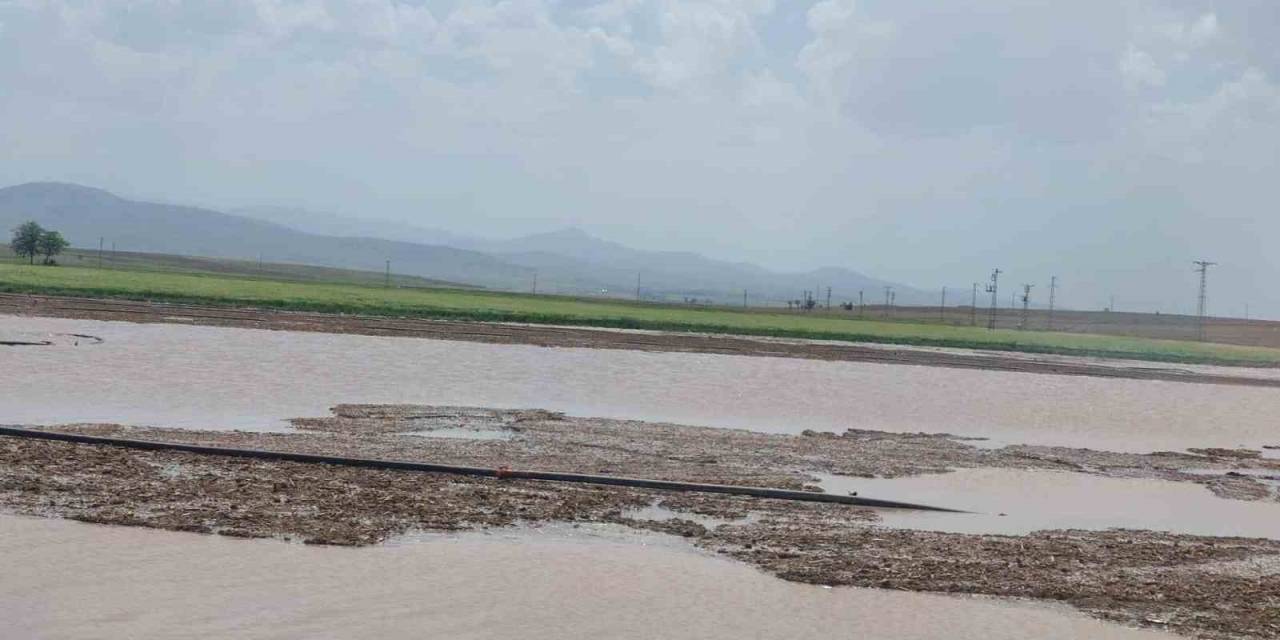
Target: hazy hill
<point>568,253</point>
<point>567,261</point>
<point>331,224</point>
<point>85,214</point>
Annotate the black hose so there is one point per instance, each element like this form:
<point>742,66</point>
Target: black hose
<point>403,465</point>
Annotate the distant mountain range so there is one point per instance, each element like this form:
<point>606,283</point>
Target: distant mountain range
<point>566,261</point>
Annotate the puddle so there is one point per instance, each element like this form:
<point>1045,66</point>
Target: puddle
<point>211,377</point>
<point>465,434</point>
<point>175,585</point>
<point>1036,500</point>
<point>657,513</point>
<point>1265,474</point>
<point>42,339</point>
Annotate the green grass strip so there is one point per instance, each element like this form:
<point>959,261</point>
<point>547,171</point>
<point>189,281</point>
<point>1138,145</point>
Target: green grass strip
<point>488,306</point>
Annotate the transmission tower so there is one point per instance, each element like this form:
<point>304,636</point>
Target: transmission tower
<point>1203,267</point>
<point>1026,302</point>
<point>888,300</point>
<point>1053,297</point>
<point>973,307</point>
<point>994,290</point>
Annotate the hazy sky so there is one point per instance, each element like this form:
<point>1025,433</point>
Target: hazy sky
<point>1107,142</point>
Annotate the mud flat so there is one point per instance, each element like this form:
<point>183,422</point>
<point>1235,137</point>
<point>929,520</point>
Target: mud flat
<point>216,377</point>
<point>1202,586</point>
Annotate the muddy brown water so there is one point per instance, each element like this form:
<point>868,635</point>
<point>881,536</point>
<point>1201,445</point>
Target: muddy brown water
<point>1019,501</point>
<point>72,580</point>
<point>209,377</point>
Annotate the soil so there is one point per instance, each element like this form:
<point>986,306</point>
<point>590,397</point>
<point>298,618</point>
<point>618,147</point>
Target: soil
<point>1209,587</point>
<point>554,336</point>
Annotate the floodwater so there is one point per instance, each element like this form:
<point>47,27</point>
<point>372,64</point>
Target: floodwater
<point>211,377</point>
<point>72,580</point>
<point>1019,501</point>
<point>658,513</point>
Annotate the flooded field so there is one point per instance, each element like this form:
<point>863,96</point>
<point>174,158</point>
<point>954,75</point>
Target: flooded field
<point>1019,501</point>
<point>190,376</point>
<point>81,580</point>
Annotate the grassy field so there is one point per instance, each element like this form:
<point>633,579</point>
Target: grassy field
<point>251,269</point>
<point>493,306</point>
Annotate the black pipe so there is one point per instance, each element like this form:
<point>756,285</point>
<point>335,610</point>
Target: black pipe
<point>554,476</point>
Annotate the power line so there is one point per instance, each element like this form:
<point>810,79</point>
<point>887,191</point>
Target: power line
<point>1026,302</point>
<point>1053,296</point>
<point>1203,267</point>
<point>973,307</point>
<point>994,290</point>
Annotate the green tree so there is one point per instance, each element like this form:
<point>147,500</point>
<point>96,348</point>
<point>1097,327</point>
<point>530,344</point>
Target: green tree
<point>26,240</point>
<point>51,244</point>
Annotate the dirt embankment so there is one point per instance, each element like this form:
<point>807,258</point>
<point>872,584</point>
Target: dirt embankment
<point>1199,586</point>
<point>552,336</point>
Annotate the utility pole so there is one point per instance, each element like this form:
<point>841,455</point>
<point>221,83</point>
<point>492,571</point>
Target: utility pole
<point>942,306</point>
<point>637,286</point>
<point>100,239</point>
<point>1026,302</point>
<point>973,307</point>
<point>994,290</point>
<point>1053,297</point>
<point>387,282</point>
<point>888,293</point>
<point>862,308</point>
<point>1203,267</point>
<point>535,282</point>
<point>744,298</point>
<point>828,298</point>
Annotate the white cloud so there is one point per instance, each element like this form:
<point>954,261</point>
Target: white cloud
<point>838,35</point>
<point>1140,69</point>
<point>701,40</point>
<point>835,124</point>
<point>1243,102</point>
<point>1196,32</point>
